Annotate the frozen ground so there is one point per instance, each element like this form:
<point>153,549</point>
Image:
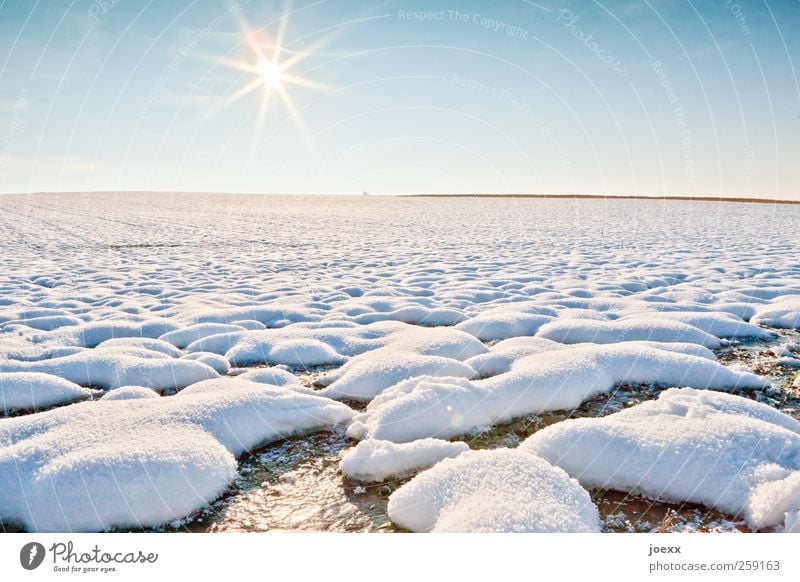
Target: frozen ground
<point>209,362</point>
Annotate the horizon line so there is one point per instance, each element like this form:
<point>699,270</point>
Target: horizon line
<point>702,198</point>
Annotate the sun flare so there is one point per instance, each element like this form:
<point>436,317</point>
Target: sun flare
<point>271,73</point>
<point>272,64</point>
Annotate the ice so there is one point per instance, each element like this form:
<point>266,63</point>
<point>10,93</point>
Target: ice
<point>552,380</point>
<point>494,491</point>
<point>374,460</point>
<point>35,391</point>
<point>716,449</point>
<point>145,461</point>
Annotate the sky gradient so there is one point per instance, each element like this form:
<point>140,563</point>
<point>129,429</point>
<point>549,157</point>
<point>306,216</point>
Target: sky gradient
<point>403,97</point>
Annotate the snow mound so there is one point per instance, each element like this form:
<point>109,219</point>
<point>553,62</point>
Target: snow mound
<point>443,342</point>
<point>330,343</point>
<point>652,328</point>
<point>494,491</point>
<point>130,393</point>
<point>553,380</point>
<point>272,316</point>
<point>36,391</point>
<point>274,376</point>
<point>724,325</point>
<point>366,376</point>
<point>90,335</point>
<point>719,450</point>
<point>292,352</point>
<point>374,460</point>
<point>218,343</point>
<point>503,354</point>
<point>143,462</point>
<point>180,338</point>
<point>500,326</point>
<point>414,314</point>
<point>218,363</point>
<point>137,344</point>
<point>783,313</point>
<point>44,323</point>
<point>109,369</point>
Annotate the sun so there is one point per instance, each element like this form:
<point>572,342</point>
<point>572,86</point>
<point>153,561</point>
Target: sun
<point>271,63</point>
<point>271,73</point>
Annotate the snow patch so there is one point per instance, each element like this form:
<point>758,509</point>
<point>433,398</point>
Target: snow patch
<point>143,462</point>
<point>374,460</point>
<point>36,391</point>
<point>720,450</point>
<point>494,491</point>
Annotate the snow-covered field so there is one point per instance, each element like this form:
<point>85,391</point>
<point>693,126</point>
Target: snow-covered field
<point>210,362</point>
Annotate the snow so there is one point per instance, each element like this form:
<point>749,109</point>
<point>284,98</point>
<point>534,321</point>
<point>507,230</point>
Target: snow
<point>783,312</point>
<point>137,344</point>
<point>275,376</point>
<point>109,369</point>
<point>552,380</point>
<point>471,314</point>
<point>374,460</point>
<point>366,376</point>
<point>499,326</point>
<point>297,352</point>
<point>653,328</point>
<point>415,314</point>
<point>44,323</point>
<point>145,461</point>
<point>129,393</point>
<point>502,355</point>
<point>35,391</point>
<point>218,363</point>
<point>92,334</point>
<point>180,338</point>
<point>724,325</point>
<point>494,491</point>
<point>716,449</point>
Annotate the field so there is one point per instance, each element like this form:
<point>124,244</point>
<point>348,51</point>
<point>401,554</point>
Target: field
<point>210,362</point>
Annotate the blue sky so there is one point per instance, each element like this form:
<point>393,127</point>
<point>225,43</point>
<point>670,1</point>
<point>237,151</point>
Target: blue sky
<point>403,97</point>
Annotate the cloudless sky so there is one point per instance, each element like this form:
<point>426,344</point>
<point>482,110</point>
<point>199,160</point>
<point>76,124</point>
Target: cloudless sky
<point>649,97</point>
